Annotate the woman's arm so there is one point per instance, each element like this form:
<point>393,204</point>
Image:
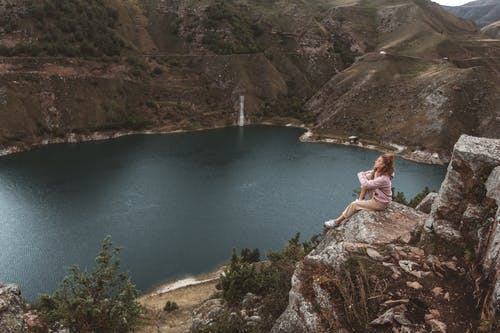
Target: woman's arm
<point>371,184</point>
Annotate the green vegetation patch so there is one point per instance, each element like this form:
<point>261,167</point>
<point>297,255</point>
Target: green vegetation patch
<point>229,30</point>
<point>101,301</point>
<point>401,198</point>
<point>71,28</point>
<point>270,280</point>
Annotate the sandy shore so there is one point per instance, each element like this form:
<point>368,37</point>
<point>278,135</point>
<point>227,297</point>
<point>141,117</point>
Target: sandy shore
<point>188,293</point>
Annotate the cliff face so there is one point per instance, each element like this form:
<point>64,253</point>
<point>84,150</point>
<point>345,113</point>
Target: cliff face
<point>419,277</point>
<point>11,309</point>
<point>312,305</point>
<point>467,210</point>
<point>168,64</point>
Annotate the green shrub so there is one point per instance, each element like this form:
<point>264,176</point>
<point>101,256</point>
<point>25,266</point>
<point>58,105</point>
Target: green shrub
<point>101,301</point>
<point>151,104</point>
<point>157,71</point>
<point>237,280</point>
<point>400,197</point>
<point>342,47</point>
<point>419,197</point>
<point>271,280</point>
<point>76,27</point>
<point>250,256</point>
<point>170,306</point>
<point>243,30</point>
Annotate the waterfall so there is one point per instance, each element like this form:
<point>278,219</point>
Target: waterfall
<point>241,119</point>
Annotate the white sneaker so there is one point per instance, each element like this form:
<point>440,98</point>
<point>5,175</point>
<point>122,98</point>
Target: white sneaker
<point>331,224</point>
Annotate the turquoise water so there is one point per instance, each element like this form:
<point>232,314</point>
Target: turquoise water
<point>176,203</point>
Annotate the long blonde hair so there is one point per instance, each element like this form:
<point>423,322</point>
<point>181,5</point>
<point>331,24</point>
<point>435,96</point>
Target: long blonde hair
<point>388,168</point>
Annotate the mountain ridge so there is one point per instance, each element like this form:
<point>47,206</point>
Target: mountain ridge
<point>183,65</point>
<point>482,12</point>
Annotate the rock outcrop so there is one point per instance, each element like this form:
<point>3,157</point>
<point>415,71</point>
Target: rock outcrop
<point>213,310</point>
<point>207,313</point>
<point>462,201</point>
<point>366,229</point>
<point>11,309</point>
<point>425,205</point>
<point>432,286</point>
<point>491,257</point>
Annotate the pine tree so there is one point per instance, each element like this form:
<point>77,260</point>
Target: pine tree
<point>102,301</point>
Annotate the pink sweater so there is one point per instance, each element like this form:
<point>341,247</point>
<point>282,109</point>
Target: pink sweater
<point>380,185</point>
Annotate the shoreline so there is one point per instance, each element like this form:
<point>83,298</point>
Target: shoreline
<point>187,293</point>
<point>187,281</point>
<point>309,136</point>
<point>398,150</point>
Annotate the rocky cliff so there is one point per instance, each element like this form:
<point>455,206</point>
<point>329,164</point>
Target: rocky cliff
<point>422,75</point>
<point>441,278</point>
<point>11,309</point>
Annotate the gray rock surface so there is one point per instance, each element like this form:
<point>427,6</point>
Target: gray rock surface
<point>11,309</point>
<point>491,262</point>
<point>207,313</point>
<point>425,205</point>
<point>472,162</point>
<point>395,224</point>
<point>462,211</point>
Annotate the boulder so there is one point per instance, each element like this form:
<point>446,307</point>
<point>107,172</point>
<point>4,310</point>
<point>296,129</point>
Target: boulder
<point>33,323</point>
<point>472,161</point>
<point>207,313</point>
<point>304,312</point>
<point>426,204</point>
<point>11,309</point>
<point>250,300</point>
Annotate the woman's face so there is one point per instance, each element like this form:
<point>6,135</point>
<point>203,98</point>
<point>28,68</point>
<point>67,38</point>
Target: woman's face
<point>379,163</point>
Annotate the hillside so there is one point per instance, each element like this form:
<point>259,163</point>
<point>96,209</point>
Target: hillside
<point>492,30</point>
<point>483,12</point>
<point>164,65</point>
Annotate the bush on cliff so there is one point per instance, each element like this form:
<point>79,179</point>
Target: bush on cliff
<point>102,301</point>
<point>401,198</point>
<point>271,280</point>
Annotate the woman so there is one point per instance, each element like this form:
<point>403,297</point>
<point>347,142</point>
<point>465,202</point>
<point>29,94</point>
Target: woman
<point>377,183</point>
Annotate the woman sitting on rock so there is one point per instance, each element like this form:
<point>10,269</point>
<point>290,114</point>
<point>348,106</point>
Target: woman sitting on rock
<point>377,183</point>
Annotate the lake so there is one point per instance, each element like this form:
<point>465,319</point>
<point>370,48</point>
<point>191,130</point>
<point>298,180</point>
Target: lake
<point>176,203</point>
